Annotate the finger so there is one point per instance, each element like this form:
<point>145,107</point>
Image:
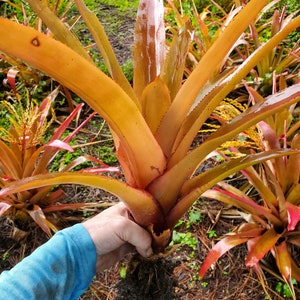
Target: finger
<point>118,209</point>
<point>138,237</point>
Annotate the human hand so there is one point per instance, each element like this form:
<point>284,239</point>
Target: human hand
<point>115,235</point>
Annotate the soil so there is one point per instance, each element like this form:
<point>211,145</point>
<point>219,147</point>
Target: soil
<point>148,279</point>
<point>176,274</point>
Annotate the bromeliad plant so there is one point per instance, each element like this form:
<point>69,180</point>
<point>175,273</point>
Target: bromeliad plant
<point>23,154</point>
<point>154,122</point>
<point>272,215</point>
<point>281,64</point>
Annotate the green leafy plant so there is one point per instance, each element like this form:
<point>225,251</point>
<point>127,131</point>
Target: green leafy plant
<point>211,234</point>
<point>24,153</point>
<point>284,288</point>
<point>154,122</point>
<point>184,239</point>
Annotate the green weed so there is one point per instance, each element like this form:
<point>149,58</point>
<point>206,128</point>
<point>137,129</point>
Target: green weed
<point>185,239</point>
<point>284,290</point>
<point>5,256</point>
<point>107,155</point>
<point>211,234</point>
<point>123,271</point>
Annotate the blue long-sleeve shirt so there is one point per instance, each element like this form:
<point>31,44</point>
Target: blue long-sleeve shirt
<point>62,268</point>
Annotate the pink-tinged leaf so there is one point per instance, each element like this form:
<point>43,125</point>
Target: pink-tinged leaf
<point>38,216</point>
<point>85,158</point>
<point>43,110</point>
<point>62,128</point>
<point>253,93</point>
<point>97,161</point>
<point>49,153</point>
<point>7,178</point>
<point>269,136</point>
<point>293,215</point>
<point>271,141</point>
<point>244,202</point>
<point>11,78</point>
<point>225,245</point>
<point>60,145</point>
<point>79,127</point>
<point>61,207</point>
<point>283,260</point>
<point>258,247</point>
<point>45,107</point>
<point>4,207</point>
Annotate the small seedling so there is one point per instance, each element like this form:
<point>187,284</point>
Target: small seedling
<point>195,216</point>
<point>211,234</point>
<point>5,256</point>
<point>184,239</point>
<point>284,289</point>
<point>123,271</point>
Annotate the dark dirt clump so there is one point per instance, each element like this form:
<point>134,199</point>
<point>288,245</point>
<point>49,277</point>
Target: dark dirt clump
<point>148,280</point>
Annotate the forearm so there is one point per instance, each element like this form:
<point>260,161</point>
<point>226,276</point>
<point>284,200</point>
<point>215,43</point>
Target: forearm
<point>62,268</point>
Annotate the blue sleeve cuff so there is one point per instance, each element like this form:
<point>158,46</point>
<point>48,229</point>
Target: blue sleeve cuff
<point>62,268</point>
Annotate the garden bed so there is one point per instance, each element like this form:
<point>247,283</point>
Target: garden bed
<point>194,236</point>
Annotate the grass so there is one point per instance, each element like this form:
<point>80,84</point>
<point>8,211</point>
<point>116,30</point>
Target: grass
<point>122,5</point>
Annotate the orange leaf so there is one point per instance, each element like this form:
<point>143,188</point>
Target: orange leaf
<point>283,260</point>
<point>38,216</point>
<point>205,69</point>
<point>83,78</point>
<point>155,103</point>
<point>258,247</point>
<point>224,245</point>
<point>141,204</point>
